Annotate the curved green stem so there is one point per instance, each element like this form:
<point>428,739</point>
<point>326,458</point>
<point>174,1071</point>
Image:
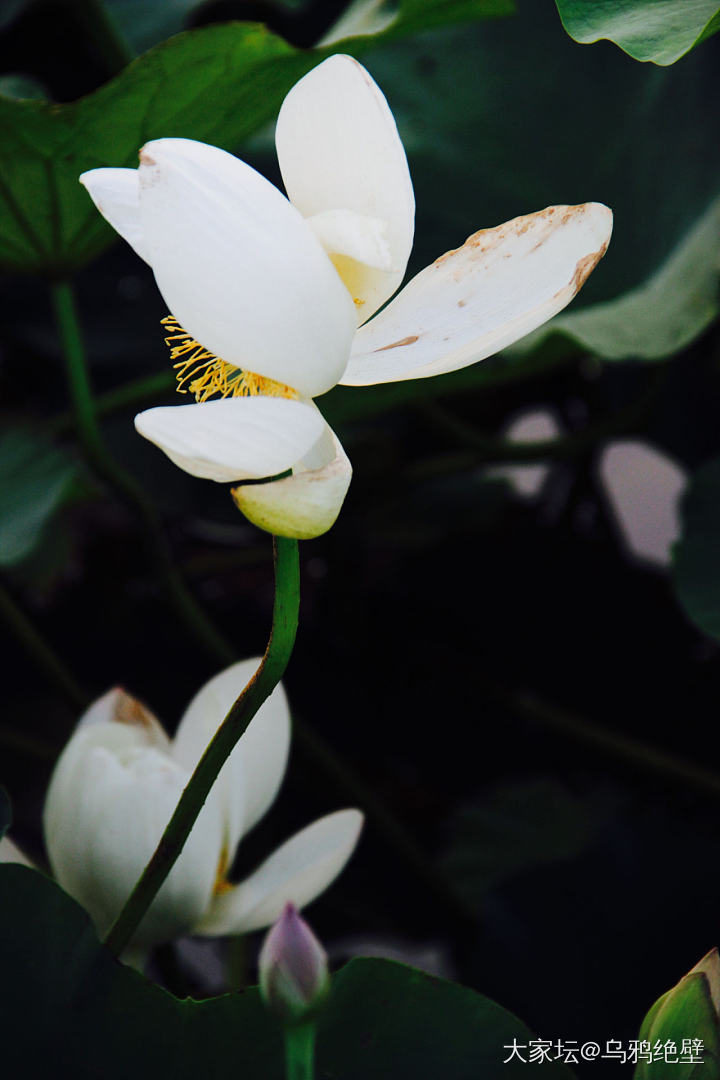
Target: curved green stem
<point>325,759</point>
<point>624,748</point>
<point>299,1051</point>
<point>263,682</point>
<point>127,487</point>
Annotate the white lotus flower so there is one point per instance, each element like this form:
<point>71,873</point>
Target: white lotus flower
<point>117,783</point>
<point>267,292</point>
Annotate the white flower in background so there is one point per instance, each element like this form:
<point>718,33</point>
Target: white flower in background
<point>11,853</point>
<point>267,292</point>
<point>645,489</point>
<point>535,425</point>
<point>116,785</point>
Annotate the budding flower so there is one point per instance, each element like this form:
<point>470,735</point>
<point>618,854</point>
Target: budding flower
<point>687,1016</point>
<point>294,977</point>
<point>117,783</point>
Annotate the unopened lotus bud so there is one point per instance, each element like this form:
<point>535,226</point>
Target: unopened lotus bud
<point>294,977</point>
<point>709,966</point>
<point>687,1016</point>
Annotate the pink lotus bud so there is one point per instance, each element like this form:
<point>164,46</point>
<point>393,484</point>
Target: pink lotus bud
<point>293,968</point>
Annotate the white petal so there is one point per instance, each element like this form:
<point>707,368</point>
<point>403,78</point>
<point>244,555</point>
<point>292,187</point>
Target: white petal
<point>360,17</point>
<point>339,149</point>
<point>501,284</point>
<point>361,238</point>
<point>305,504</point>
<point>298,871</point>
<point>116,193</point>
<point>11,853</point>
<point>240,269</point>
<point>110,797</point>
<point>249,780</point>
<point>234,438</point>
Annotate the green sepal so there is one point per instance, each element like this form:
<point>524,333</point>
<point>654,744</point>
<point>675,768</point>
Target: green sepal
<point>687,1011</point>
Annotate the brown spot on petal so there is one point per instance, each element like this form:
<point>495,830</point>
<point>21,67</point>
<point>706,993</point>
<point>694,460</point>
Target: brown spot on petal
<point>396,344</point>
<point>485,240</point>
<point>222,885</point>
<point>145,158</point>
<point>462,303</point>
<point>130,711</point>
<point>585,267</point>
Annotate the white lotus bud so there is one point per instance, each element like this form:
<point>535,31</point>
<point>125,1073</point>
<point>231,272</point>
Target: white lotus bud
<point>114,790</point>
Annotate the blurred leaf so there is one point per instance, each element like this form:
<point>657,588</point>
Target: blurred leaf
<point>517,828</point>
<point>144,23</point>
<point>645,29</point>
<point>9,9</point>
<point>696,569</point>
<point>75,1012</point>
<point>22,87</point>
<point>482,150</point>
<point>217,84</point>
<point>661,317</point>
<point>55,557</point>
<point>5,812</point>
<point>685,1012</point>
<point>391,1022</point>
<point>38,479</point>
<point>417,15</point>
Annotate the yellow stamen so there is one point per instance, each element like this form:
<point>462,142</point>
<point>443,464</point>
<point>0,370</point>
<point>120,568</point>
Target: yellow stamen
<point>222,885</point>
<point>205,375</point>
